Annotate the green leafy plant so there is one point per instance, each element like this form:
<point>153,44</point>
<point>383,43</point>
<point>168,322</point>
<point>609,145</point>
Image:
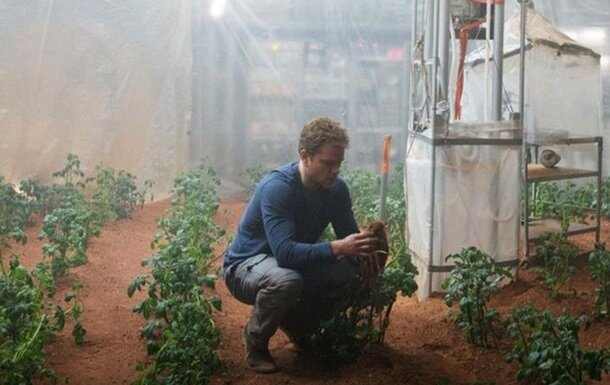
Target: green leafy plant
<point>68,231</point>
<point>556,252</point>
<point>24,326</point>
<point>179,307</point>
<point>253,175</point>
<point>548,348</point>
<point>568,201</point>
<point>15,213</point>
<point>75,310</point>
<point>72,173</point>
<point>116,194</point>
<point>474,278</point>
<point>599,263</point>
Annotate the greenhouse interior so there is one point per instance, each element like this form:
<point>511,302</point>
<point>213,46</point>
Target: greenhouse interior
<point>476,130</point>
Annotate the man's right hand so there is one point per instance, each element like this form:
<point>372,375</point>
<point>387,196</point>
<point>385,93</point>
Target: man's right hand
<point>357,244</point>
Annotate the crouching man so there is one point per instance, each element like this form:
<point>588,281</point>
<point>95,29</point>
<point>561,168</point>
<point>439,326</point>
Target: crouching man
<point>277,263</point>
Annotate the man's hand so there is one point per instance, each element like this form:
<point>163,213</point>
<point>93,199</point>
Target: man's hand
<point>358,244</point>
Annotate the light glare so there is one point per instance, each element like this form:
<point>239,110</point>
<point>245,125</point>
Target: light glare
<point>217,8</point>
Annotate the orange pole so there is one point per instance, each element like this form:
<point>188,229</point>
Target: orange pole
<point>385,166</point>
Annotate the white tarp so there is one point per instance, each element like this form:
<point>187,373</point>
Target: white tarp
<point>109,81</point>
<point>473,200</point>
<point>562,87</point>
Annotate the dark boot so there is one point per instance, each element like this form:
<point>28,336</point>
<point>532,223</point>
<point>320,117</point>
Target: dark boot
<point>258,358</point>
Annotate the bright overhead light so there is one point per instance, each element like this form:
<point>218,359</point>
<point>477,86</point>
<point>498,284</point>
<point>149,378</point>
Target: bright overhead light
<point>217,8</point>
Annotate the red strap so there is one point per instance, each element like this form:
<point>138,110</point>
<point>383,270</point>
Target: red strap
<point>459,89</point>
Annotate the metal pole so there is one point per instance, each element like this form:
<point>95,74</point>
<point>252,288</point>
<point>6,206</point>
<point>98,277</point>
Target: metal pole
<point>522,63</point>
<point>434,34</point>
<point>496,112</point>
<point>434,63</point>
<point>600,149</point>
<point>524,148</point>
<point>444,47</point>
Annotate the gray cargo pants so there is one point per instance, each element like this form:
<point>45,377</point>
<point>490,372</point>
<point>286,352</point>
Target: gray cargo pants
<point>294,300</point>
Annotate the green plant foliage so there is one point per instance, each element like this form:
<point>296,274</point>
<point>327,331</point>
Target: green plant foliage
<point>569,201</point>
<point>472,282</point>
<point>253,175</point>
<point>116,194</point>
<point>68,232</point>
<point>548,349</point>
<point>24,327</point>
<point>179,309</point>
<point>72,173</point>
<point>15,214</point>
<point>364,189</point>
<point>556,253</point>
<point>599,263</point>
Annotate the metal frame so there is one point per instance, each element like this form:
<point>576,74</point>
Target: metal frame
<point>554,174</point>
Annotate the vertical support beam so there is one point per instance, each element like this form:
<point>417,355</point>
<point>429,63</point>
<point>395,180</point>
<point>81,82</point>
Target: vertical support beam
<point>496,111</point>
<point>525,147</point>
<point>443,37</point>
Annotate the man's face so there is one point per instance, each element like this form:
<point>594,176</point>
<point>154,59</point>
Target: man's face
<point>322,168</point>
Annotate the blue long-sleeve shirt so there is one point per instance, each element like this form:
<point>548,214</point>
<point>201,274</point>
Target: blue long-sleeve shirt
<point>286,220</point>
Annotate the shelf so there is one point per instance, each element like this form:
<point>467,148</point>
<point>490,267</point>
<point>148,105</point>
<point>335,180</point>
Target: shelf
<point>533,228</point>
<point>539,227</point>
<point>539,173</point>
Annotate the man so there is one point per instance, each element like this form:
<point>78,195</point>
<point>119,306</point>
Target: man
<point>276,261</point>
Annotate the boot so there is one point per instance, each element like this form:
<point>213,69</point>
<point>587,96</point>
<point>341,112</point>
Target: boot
<point>258,359</point>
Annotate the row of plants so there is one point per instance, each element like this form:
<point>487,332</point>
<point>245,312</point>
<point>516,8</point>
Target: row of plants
<point>181,336</point>
<point>72,214</point>
<point>546,347</point>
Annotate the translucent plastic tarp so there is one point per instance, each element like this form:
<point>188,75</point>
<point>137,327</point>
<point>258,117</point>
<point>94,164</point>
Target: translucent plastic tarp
<point>265,67</point>
<point>563,88</point>
<point>109,81</point>
<point>563,93</point>
<point>154,86</point>
<point>462,196</point>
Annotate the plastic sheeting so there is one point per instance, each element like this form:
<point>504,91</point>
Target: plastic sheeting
<point>154,86</point>
<point>563,88</point>
<point>460,196</point>
<point>109,81</point>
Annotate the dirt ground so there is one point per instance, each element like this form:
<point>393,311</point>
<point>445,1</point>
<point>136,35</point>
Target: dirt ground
<point>422,347</point>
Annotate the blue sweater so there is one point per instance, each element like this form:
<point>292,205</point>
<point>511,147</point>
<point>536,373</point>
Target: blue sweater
<point>286,220</point>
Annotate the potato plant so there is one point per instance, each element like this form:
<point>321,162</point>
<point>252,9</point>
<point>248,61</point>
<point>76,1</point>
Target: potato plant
<point>68,232</point>
<point>548,350</point>
<point>73,213</point>
<point>15,214</point>
<point>115,194</point>
<point>25,326</point>
<point>556,253</point>
<point>599,263</point>
<point>471,283</point>
<point>180,332</point>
